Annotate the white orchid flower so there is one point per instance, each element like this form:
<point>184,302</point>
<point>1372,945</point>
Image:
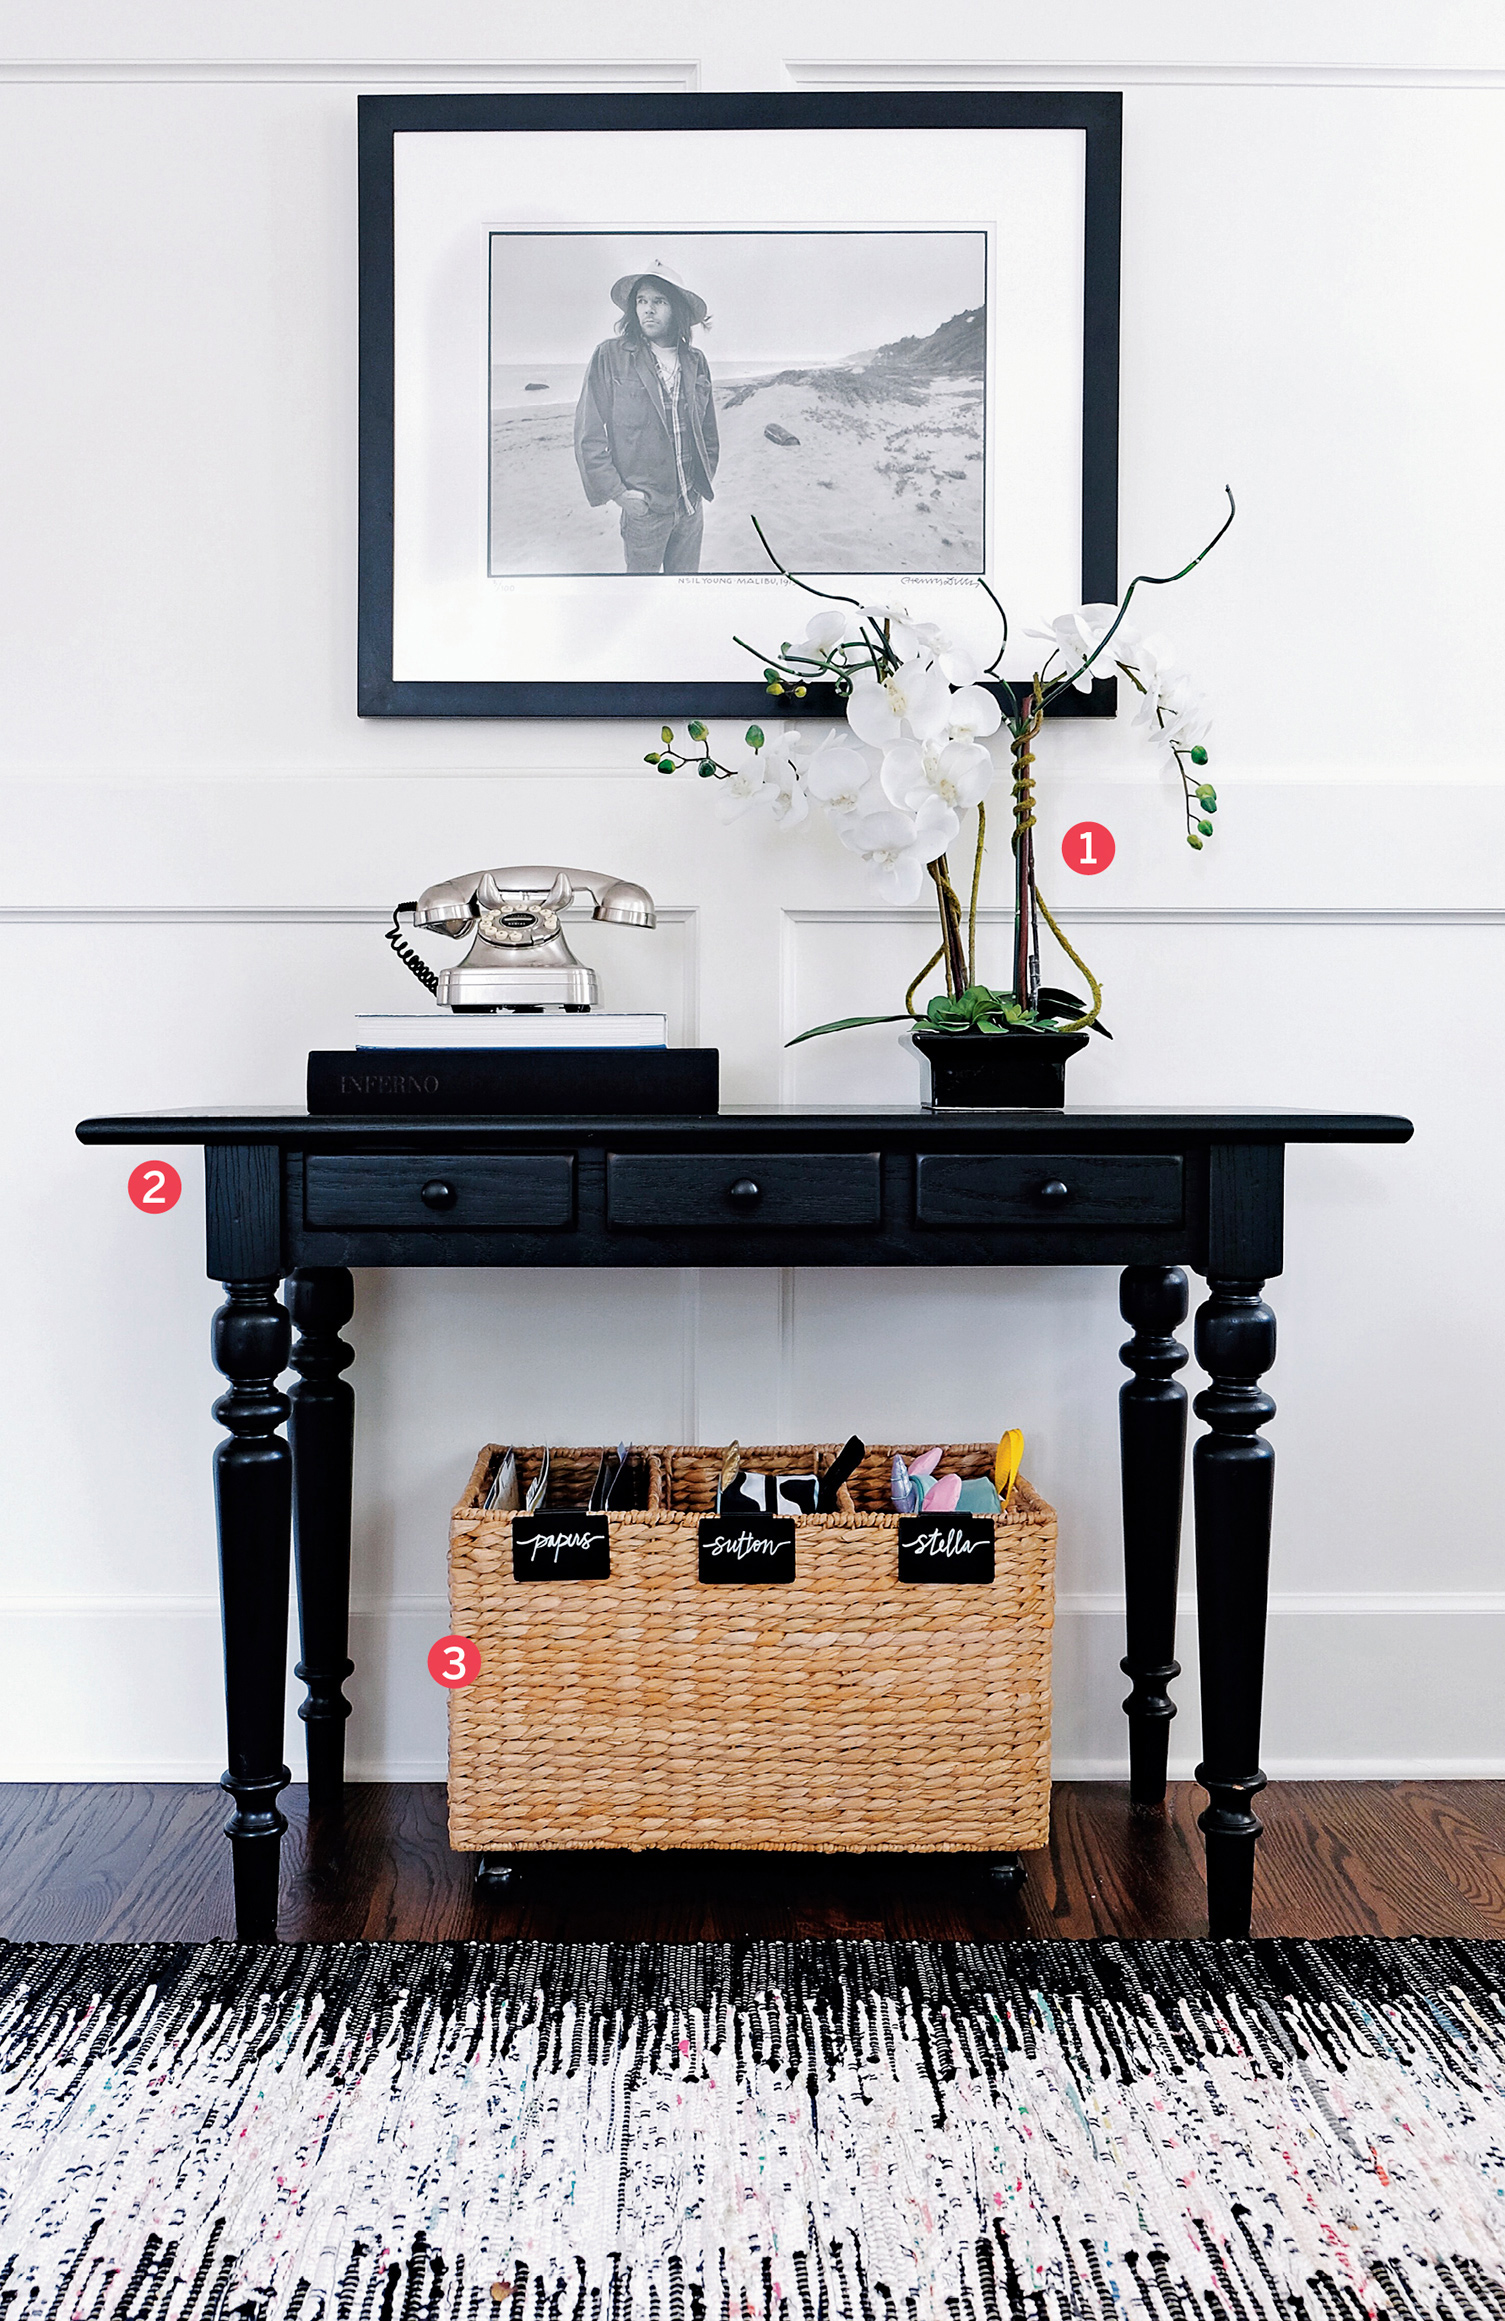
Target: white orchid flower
<point>957,662</point>
<point>826,631</point>
<point>749,786</point>
<point>914,640</point>
<point>768,777</point>
<point>896,846</point>
<point>1153,663</point>
<point>839,773</point>
<point>959,773</point>
<point>1077,634</point>
<point>902,634</point>
<point>915,695</point>
<point>972,712</point>
<point>1183,716</point>
<point>785,794</point>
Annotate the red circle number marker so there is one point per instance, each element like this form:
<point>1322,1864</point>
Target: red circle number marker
<point>1088,847</point>
<point>154,1186</point>
<point>454,1661</point>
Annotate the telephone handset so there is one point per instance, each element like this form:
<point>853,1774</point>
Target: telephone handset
<point>519,958</point>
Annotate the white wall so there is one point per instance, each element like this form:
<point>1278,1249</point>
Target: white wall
<point>201,842</point>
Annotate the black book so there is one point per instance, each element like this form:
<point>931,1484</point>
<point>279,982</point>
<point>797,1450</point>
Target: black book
<point>514,1080</point>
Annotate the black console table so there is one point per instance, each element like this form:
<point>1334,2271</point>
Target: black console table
<point>299,1199</point>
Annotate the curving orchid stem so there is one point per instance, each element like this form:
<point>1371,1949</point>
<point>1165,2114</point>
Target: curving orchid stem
<point>897,780</point>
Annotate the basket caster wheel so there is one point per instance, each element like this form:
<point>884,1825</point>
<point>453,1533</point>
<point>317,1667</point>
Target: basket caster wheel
<point>494,1874</point>
<point>1005,1877</point>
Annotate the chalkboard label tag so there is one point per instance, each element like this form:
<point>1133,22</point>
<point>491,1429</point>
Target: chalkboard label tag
<point>747,1550</point>
<point>561,1546</point>
<point>946,1550</point>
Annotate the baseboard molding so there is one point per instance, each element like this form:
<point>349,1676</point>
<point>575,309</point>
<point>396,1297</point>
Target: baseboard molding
<point>1300,1768</point>
<point>1373,1686</point>
<point>202,1771</point>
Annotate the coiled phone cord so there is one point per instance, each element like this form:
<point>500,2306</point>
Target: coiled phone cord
<point>407,954</point>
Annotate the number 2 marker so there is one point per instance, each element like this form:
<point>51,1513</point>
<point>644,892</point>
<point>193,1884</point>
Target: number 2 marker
<point>154,1186</point>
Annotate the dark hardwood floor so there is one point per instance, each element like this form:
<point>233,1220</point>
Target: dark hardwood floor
<point>120,1862</point>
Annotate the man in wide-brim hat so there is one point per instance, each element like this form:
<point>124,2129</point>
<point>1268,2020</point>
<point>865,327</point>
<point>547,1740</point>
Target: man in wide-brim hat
<point>645,425</point>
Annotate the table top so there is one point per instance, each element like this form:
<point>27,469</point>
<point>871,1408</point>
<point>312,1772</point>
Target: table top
<point>834,1124</point>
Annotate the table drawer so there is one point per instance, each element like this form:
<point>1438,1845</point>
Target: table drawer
<point>1063,1188</point>
<point>467,1192</point>
<point>693,1191</point>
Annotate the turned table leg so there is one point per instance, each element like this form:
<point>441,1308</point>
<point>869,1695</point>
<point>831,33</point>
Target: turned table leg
<point>321,1299</point>
<point>1152,1444</point>
<point>1233,1477</point>
<point>252,1493</point>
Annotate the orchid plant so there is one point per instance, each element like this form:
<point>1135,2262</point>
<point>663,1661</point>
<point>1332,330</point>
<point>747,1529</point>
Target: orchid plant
<point>910,762</point>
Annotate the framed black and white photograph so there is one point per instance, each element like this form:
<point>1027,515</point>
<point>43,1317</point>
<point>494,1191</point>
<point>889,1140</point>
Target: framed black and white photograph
<point>619,354</point>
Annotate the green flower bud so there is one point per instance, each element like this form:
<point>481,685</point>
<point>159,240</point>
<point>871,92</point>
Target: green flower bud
<point>705,772</point>
<point>772,675</point>
<point>775,687</point>
<point>666,733</point>
<point>1199,756</point>
<point>1207,795</point>
<point>1205,828</point>
<point>1193,840</point>
<point>799,692</point>
<point>650,757</point>
<point>697,730</point>
<point>666,765</point>
<point>755,737</point>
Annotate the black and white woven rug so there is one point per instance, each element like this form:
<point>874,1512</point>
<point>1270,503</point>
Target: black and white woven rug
<point>754,2132</point>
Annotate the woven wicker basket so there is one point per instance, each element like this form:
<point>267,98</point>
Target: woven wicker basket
<point>843,1712</point>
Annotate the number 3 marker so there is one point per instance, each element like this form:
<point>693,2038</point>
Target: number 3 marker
<point>1088,847</point>
<point>454,1661</point>
<point>154,1186</point>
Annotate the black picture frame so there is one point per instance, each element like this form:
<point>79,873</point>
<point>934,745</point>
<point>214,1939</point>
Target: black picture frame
<point>1098,113</point>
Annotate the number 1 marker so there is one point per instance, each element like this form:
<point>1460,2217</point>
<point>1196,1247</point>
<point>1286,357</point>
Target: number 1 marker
<point>1088,847</point>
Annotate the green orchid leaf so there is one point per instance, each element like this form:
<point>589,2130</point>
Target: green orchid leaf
<point>1066,1003</point>
<point>848,1023</point>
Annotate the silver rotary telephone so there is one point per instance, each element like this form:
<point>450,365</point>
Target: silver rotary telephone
<point>519,958</point>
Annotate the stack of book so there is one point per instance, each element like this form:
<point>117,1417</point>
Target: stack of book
<point>510,1064</point>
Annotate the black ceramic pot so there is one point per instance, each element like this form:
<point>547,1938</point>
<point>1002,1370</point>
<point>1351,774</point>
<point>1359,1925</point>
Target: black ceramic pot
<point>983,1071</point>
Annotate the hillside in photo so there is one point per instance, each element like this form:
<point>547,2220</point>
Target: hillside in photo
<point>959,345</point>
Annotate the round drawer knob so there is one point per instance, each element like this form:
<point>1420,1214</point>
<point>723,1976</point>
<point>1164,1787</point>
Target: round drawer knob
<point>1055,1190</point>
<point>436,1194</point>
<point>744,1192</point>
